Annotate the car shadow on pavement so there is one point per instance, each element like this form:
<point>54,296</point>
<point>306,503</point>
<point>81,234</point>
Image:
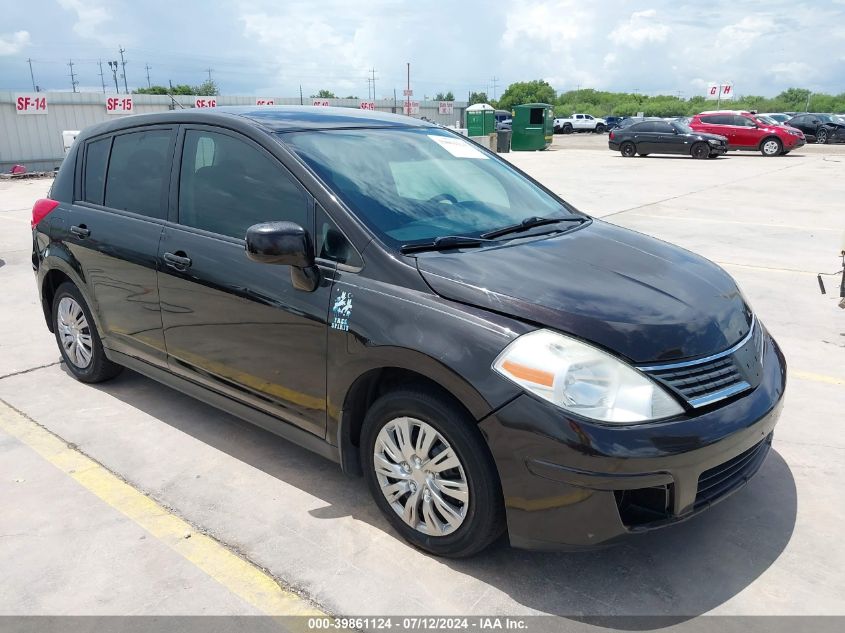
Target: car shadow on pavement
<point>675,573</point>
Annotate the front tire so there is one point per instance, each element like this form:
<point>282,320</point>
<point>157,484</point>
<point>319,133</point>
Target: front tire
<point>771,147</point>
<point>628,149</point>
<point>700,151</point>
<point>429,471</point>
<point>566,129</point>
<point>78,339</point>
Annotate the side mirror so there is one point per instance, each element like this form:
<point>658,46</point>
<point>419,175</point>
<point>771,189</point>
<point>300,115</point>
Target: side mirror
<point>288,244</point>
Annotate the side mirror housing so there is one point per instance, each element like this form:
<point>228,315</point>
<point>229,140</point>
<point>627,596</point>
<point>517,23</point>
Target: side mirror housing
<point>287,244</point>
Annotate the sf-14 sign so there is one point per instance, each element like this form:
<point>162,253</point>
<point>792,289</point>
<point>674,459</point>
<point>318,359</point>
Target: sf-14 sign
<point>31,103</point>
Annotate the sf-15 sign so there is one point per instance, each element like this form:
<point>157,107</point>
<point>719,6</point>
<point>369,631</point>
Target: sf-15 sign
<point>31,103</point>
<point>119,105</point>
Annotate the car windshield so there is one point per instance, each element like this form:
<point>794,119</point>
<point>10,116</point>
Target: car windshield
<point>412,185</point>
<point>767,119</point>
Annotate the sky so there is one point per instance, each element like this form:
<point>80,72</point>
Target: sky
<point>271,47</point>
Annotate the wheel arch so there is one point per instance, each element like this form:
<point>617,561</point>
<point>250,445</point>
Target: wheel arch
<point>369,385</point>
<point>56,271</point>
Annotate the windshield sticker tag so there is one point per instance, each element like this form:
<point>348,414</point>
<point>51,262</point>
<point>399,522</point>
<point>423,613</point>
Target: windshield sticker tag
<point>341,311</point>
<point>457,147</point>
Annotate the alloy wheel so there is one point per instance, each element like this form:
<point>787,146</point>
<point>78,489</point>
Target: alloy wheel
<point>74,333</point>
<point>821,136</point>
<point>771,147</point>
<point>421,476</point>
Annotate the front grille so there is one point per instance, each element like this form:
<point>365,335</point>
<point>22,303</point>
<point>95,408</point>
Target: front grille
<point>708,380</point>
<point>721,479</point>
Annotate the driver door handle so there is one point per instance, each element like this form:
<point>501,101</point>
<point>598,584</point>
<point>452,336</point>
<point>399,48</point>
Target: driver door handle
<point>177,260</point>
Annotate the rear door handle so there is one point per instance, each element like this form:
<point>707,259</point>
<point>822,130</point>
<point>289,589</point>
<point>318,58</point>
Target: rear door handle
<point>178,260</point>
<point>80,231</point>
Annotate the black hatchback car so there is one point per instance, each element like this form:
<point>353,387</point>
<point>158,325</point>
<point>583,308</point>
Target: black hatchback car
<point>403,302</point>
<point>820,128</point>
<point>666,137</point>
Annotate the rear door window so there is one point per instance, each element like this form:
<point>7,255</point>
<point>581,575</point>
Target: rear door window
<point>96,158</point>
<point>139,172</point>
<point>226,185</point>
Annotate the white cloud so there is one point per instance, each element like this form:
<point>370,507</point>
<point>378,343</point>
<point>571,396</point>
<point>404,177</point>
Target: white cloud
<point>13,43</point>
<point>641,28</point>
<point>735,38</point>
<point>798,72</point>
<point>90,19</point>
<point>554,23</point>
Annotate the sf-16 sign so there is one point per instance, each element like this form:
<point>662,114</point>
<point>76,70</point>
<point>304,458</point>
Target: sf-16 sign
<point>205,102</point>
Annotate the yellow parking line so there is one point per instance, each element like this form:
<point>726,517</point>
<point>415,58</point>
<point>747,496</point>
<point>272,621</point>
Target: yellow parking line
<point>806,375</point>
<point>768,269</point>
<point>794,227</point>
<point>230,570</point>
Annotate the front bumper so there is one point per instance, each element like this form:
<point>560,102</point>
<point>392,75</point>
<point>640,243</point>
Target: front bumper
<point>569,483</point>
<point>791,144</point>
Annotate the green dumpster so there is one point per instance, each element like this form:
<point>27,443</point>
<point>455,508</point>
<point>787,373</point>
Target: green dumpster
<point>533,127</point>
<point>481,119</point>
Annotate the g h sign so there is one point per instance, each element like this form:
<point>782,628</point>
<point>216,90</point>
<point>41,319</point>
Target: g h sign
<point>717,92</point>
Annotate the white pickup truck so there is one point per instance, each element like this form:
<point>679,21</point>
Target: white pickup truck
<point>580,123</point>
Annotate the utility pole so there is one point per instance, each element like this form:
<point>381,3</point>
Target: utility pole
<point>373,73</point>
<point>102,78</point>
<point>300,95</point>
<point>73,82</point>
<point>147,68</point>
<point>209,71</point>
<point>495,80</point>
<point>408,91</point>
<point>807,107</point>
<point>32,76</point>
<point>114,66</point>
<point>123,63</point>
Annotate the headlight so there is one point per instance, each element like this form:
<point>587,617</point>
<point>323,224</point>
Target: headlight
<point>583,379</point>
<point>713,141</point>
<point>794,132</point>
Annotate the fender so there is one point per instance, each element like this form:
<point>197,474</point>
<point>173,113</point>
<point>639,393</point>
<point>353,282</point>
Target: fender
<point>58,257</point>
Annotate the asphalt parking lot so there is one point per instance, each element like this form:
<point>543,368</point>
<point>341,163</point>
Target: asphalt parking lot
<point>181,509</point>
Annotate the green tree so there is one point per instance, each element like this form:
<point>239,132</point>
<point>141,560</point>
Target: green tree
<point>350,97</point>
<point>324,94</point>
<point>478,97</point>
<point>536,91</point>
<point>444,97</point>
<point>207,88</point>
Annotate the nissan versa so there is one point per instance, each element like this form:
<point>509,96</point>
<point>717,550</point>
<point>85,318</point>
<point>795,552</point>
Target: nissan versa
<point>394,297</point>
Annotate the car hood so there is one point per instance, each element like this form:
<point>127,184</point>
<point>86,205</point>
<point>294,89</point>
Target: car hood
<point>637,296</point>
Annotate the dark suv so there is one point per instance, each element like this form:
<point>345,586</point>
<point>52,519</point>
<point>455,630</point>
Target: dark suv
<point>396,298</point>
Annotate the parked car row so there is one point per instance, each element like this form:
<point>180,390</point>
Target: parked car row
<point>709,134</point>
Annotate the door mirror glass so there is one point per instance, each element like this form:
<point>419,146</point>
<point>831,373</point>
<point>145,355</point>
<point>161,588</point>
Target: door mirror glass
<point>284,243</point>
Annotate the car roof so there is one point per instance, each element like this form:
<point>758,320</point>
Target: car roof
<point>269,118</point>
<point>726,112</point>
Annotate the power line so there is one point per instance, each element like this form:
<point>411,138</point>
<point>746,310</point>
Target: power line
<point>123,63</point>
<point>73,82</point>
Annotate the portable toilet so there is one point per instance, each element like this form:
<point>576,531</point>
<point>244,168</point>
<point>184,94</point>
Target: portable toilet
<point>481,119</point>
<point>533,127</point>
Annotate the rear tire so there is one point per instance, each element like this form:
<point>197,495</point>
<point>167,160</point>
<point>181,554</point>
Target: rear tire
<point>771,146</point>
<point>600,129</point>
<point>78,339</point>
<point>454,512</point>
<point>821,136</point>
<point>628,149</point>
<point>700,151</point>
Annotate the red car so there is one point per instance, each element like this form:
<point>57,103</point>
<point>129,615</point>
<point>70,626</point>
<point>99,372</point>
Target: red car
<point>746,131</point>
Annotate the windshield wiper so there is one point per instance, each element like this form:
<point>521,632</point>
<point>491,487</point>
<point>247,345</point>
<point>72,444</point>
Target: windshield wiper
<point>446,241</point>
<point>529,223</point>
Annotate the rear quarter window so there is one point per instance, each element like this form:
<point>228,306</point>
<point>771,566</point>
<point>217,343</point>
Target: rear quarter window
<point>94,181</point>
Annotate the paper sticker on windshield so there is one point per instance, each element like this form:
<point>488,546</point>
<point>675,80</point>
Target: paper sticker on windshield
<point>457,147</point>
